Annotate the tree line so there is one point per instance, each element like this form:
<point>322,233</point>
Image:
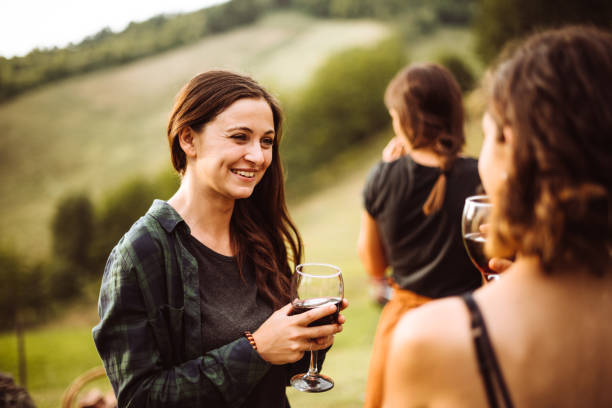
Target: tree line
<point>163,32</point>
<point>495,22</point>
<point>107,49</point>
<point>83,233</point>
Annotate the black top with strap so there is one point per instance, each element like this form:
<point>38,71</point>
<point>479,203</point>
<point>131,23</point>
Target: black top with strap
<point>490,372</point>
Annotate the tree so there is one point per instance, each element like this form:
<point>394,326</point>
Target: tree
<point>315,7</point>
<point>22,300</point>
<point>454,11</point>
<point>460,69</point>
<point>499,21</point>
<point>232,14</point>
<point>120,209</point>
<point>73,230</point>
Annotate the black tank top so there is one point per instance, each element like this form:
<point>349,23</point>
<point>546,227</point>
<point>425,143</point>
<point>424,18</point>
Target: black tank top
<point>491,374</point>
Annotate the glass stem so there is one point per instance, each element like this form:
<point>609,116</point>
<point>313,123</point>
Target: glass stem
<point>313,370</point>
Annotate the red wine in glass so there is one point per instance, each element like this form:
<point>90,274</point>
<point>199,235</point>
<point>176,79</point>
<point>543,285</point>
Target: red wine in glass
<point>475,243</point>
<point>301,306</point>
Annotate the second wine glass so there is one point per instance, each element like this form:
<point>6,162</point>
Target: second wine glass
<point>315,285</point>
<point>474,225</point>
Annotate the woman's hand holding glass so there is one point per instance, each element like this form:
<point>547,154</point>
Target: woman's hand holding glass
<point>499,265</point>
<point>283,338</point>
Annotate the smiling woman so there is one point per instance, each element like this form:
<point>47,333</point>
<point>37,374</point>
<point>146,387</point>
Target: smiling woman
<point>194,304</point>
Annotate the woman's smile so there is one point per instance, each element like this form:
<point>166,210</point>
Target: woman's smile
<point>245,173</point>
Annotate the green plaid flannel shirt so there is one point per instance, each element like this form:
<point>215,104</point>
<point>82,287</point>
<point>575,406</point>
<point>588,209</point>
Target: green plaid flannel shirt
<point>149,335</point>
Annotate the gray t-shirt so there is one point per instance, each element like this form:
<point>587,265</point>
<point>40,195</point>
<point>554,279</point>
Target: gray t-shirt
<point>230,304</point>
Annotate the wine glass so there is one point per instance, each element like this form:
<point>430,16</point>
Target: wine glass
<point>314,285</point>
<point>474,222</point>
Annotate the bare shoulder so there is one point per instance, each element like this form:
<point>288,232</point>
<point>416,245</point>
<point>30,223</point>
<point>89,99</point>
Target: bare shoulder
<point>431,358</point>
<point>433,317</point>
<point>425,334</point>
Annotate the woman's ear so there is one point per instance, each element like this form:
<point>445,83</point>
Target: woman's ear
<point>187,141</point>
<point>508,135</point>
<point>508,147</point>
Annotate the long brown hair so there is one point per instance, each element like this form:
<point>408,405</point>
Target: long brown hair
<point>262,232</point>
<point>554,93</point>
<point>427,99</point>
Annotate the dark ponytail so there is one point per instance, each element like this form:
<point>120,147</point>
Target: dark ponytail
<point>428,101</point>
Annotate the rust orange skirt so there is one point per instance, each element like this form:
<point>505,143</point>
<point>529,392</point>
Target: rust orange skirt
<point>401,301</point>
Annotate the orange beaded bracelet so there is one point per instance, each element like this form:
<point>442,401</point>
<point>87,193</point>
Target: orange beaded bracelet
<point>251,340</point>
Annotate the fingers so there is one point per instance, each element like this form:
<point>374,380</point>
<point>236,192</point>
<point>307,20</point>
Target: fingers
<point>284,338</point>
<point>392,151</point>
<point>318,337</point>
<point>484,229</point>
<point>285,310</point>
<point>499,264</point>
<point>317,343</point>
<point>321,331</point>
<point>315,314</point>
<point>322,342</point>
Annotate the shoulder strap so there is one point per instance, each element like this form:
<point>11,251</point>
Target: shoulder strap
<point>487,362</point>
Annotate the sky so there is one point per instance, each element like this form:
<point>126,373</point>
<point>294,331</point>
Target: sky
<point>27,24</point>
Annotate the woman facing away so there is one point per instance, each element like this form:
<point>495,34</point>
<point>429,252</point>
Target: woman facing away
<point>540,336</point>
<point>413,204</point>
<point>185,287</point>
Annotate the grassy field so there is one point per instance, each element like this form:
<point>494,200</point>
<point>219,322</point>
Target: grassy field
<point>82,134</point>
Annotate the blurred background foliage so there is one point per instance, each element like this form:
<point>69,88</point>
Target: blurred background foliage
<point>89,131</point>
<point>339,108</point>
<point>498,22</point>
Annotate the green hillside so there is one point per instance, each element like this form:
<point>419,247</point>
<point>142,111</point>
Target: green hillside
<point>92,132</point>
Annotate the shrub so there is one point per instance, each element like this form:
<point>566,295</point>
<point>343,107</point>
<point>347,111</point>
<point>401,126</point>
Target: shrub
<point>460,70</point>
<point>342,105</point>
<point>22,292</point>
<point>119,210</point>
<point>72,230</point>
<point>500,21</point>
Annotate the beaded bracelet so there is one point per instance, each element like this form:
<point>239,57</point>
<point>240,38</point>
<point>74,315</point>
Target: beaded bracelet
<point>251,340</point>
